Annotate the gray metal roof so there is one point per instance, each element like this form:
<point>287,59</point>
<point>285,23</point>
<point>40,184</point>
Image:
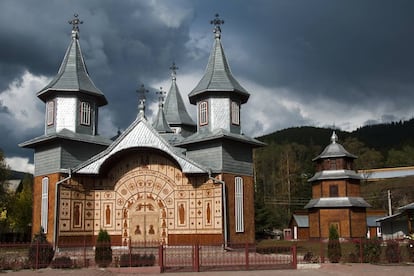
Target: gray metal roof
<point>218,76</point>
<point>66,134</point>
<point>407,207</point>
<point>160,124</point>
<point>335,174</point>
<point>218,134</point>
<point>73,75</point>
<point>328,202</point>
<point>334,150</point>
<point>301,220</point>
<point>372,220</point>
<point>174,107</point>
<point>139,134</point>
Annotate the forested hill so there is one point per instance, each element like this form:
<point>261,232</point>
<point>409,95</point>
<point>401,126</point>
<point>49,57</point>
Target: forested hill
<point>381,137</point>
<point>283,167</point>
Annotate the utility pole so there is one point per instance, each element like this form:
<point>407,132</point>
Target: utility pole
<point>389,203</point>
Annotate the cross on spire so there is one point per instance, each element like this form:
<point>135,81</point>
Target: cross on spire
<point>173,69</point>
<point>161,96</point>
<point>217,22</point>
<point>75,22</point>
<point>141,97</point>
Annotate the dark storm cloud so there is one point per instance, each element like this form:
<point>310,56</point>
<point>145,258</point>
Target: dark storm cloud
<point>350,55</point>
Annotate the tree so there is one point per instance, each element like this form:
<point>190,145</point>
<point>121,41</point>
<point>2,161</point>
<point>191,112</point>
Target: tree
<point>20,207</point>
<point>4,196</point>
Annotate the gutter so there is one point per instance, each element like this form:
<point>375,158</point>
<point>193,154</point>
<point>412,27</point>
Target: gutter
<point>224,203</point>
<point>55,227</point>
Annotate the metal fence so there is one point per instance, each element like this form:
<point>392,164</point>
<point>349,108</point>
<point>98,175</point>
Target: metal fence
<point>218,257</point>
<point>196,257</point>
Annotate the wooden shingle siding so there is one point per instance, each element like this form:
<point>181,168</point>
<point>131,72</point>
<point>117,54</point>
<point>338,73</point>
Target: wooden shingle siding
<point>74,153</point>
<point>46,159</point>
<point>208,157</point>
<point>237,158</point>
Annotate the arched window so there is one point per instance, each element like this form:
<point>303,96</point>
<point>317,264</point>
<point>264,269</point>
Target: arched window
<point>44,211</point>
<point>203,113</point>
<point>238,204</point>
<point>50,113</point>
<point>85,113</point>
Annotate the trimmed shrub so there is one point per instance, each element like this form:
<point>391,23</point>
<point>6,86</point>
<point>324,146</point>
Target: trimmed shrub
<point>334,246</point>
<point>392,252</point>
<point>103,250</point>
<point>40,251</point>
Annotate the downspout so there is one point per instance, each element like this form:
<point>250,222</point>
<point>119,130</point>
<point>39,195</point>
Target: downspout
<point>56,205</point>
<point>223,188</point>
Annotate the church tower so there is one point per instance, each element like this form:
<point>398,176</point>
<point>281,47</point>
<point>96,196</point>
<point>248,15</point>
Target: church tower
<point>70,129</point>
<point>336,197</point>
<point>219,143</point>
<point>175,112</point>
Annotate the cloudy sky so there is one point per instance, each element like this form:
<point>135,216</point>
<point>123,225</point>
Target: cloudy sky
<point>304,62</point>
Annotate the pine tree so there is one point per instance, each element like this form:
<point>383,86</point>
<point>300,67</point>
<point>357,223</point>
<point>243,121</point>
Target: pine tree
<point>334,246</point>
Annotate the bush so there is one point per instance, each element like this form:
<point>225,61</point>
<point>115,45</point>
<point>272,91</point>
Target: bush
<point>392,252</point>
<point>135,260</point>
<point>40,251</point>
<point>334,246</point>
<point>103,250</point>
<point>62,262</point>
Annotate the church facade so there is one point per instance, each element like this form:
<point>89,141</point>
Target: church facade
<point>173,181</point>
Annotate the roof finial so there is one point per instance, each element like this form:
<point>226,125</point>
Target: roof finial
<point>334,137</point>
<point>142,98</point>
<point>75,25</point>
<point>161,97</point>
<point>217,22</point>
<point>173,69</point>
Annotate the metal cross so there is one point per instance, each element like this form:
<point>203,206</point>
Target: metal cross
<point>75,22</point>
<point>217,22</point>
<point>173,69</point>
<point>141,92</point>
<point>161,97</point>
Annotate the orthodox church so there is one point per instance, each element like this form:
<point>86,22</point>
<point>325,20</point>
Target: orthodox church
<point>336,198</point>
<point>173,181</point>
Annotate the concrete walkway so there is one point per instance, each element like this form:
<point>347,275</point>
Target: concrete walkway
<point>325,269</point>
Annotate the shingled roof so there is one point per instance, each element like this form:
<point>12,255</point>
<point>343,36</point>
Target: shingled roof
<point>218,76</point>
<point>73,75</point>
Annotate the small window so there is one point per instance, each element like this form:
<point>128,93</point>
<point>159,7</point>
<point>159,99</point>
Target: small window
<point>50,112</point>
<point>45,204</point>
<point>238,202</point>
<point>235,113</point>
<point>333,190</point>
<point>203,113</point>
<point>85,113</point>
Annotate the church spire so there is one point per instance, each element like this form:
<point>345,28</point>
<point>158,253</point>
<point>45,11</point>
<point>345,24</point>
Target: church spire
<point>160,124</point>
<point>73,75</point>
<point>174,108</point>
<point>218,77</point>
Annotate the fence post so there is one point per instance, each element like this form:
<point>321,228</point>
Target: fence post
<point>361,257</point>
<point>196,258</point>
<point>246,253</point>
<point>37,255</point>
<point>161,257</point>
<point>294,257</point>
